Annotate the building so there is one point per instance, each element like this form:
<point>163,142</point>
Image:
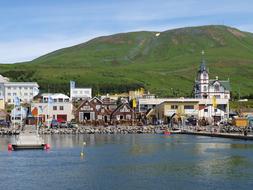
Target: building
<point>91,111</point>
<point>146,104</point>
<point>214,109</point>
<point>184,108</point>
<point>18,115</point>
<point>179,107</point>
<point>50,107</point>
<point>79,93</point>
<point>207,88</point>
<point>2,104</point>
<point>123,114</point>
<point>25,91</point>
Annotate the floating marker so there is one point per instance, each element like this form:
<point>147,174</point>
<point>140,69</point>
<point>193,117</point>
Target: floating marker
<point>82,153</point>
<point>10,147</point>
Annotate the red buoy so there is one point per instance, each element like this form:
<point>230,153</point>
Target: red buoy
<point>47,146</point>
<point>10,147</point>
<point>166,133</point>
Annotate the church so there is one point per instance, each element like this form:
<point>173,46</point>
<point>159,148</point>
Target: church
<point>209,88</point>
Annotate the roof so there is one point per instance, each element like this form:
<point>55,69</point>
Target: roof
<point>3,79</point>
<point>203,67</point>
<point>30,84</point>
<point>121,106</point>
<point>55,96</point>
<point>224,83</point>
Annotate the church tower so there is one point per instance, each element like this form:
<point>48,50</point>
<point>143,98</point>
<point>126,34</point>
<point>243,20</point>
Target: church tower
<point>202,82</point>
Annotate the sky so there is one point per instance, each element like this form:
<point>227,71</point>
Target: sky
<point>31,28</point>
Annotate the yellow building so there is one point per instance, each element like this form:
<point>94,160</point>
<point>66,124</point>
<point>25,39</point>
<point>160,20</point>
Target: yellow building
<point>2,104</point>
<point>179,108</point>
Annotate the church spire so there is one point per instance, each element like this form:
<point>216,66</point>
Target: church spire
<point>203,62</point>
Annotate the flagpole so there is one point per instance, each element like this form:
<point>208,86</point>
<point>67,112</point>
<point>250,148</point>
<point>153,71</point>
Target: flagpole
<point>48,112</point>
<point>14,115</point>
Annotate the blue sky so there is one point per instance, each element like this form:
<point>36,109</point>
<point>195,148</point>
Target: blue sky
<point>31,28</point>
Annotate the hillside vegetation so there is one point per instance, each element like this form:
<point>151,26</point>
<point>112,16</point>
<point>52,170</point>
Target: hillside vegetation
<point>164,64</point>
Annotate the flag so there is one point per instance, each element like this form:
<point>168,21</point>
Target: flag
<point>72,84</point>
<point>35,111</point>
<point>35,91</point>
<point>50,100</point>
<point>214,102</point>
<point>134,103</point>
<point>16,101</point>
<point>40,109</point>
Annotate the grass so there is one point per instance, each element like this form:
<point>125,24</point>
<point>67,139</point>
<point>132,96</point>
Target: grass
<point>127,61</point>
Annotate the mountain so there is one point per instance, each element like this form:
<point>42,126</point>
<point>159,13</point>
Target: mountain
<point>164,63</point>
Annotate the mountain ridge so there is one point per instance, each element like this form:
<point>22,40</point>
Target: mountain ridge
<point>165,64</point>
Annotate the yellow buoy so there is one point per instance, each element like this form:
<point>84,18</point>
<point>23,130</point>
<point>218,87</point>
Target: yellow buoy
<point>82,152</point>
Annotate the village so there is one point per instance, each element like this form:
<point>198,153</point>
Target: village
<point>209,106</point>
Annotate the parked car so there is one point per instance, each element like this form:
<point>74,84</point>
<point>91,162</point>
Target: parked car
<point>192,121</point>
<point>63,124</point>
<point>54,123</point>
<point>4,123</point>
<point>72,125</point>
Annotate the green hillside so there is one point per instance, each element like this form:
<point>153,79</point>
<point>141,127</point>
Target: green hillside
<point>164,64</point>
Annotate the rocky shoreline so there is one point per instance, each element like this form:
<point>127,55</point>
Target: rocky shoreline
<point>93,130</point>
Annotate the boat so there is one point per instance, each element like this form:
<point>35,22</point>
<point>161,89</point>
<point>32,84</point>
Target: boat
<point>28,139</point>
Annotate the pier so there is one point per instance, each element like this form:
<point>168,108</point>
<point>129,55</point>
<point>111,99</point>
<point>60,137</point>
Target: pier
<point>222,135</point>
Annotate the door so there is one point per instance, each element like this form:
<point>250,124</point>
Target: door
<point>62,118</point>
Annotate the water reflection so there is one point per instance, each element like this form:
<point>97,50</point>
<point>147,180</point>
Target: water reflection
<point>137,161</point>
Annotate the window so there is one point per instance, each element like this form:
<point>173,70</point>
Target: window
<point>14,94</point>
<point>217,87</point>
<point>217,96</point>
<point>215,110</point>
<point>54,107</point>
<point>174,107</point>
<point>60,100</point>
<point>205,88</point>
<point>31,94</point>
<point>188,107</point>
<point>61,108</point>
<point>205,110</point>
<point>26,93</point>
<point>9,94</point>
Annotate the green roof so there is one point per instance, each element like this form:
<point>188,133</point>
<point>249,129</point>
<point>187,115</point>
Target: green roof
<point>224,83</point>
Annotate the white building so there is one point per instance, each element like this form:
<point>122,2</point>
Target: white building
<point>79,93</point>
<point>207,88</point>
<point>53,107</point>
<point>18,115</point>
<point>203,108</point>
<point>25,91</point>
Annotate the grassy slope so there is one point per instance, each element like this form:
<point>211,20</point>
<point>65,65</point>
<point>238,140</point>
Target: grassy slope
<point>129,60</point>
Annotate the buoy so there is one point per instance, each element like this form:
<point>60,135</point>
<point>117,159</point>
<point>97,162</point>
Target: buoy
<point>10,147</point>
<point>47,146</point>
<point>166,133</point>
<point>82,152</point>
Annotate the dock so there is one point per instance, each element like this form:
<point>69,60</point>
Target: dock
<point>222,135</point>
<point>28,139</point>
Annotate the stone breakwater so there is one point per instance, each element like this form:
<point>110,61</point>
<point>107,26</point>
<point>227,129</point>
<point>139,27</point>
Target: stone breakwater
<point>93,130</point>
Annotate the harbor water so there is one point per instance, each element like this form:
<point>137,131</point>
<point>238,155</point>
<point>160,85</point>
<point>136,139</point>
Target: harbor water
<point>138,161</point>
